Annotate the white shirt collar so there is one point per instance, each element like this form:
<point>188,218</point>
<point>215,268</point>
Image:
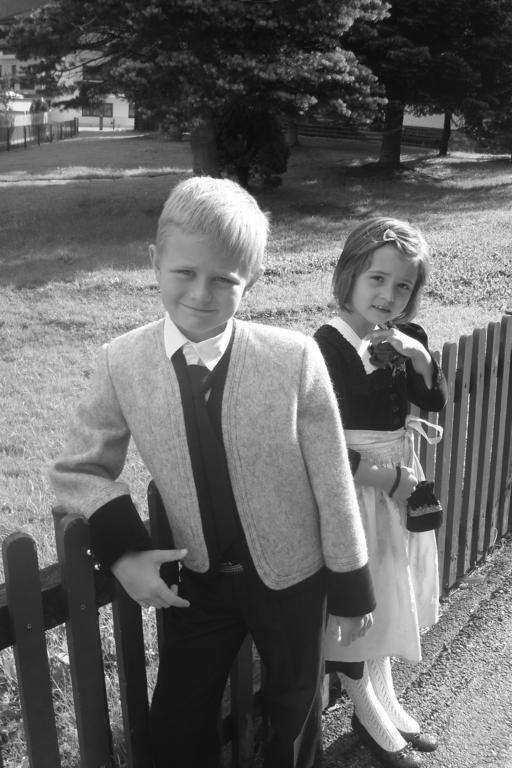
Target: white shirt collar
<point>207,352</point>
<point>360,345</point>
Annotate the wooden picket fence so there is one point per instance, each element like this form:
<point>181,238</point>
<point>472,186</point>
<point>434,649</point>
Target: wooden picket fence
<point>472,471</point>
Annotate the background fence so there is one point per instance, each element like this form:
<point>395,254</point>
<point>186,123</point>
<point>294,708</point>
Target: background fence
<point>21,136</point>
<point>331,129</point>
<point>472,471</point>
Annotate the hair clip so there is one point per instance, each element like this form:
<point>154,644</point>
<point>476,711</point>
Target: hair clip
<point>389,235</point>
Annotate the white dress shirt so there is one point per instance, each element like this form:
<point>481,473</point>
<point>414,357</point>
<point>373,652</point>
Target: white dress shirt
<point>207,352</point>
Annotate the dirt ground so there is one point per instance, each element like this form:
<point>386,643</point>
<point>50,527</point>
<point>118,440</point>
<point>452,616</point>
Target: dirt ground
<point>462,689</point>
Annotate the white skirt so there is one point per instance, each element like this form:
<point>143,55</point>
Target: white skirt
<point>403,565</point>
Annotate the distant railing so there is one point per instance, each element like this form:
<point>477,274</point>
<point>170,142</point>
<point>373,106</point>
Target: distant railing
<point>21,136</point>
<point>472,473</point>
<point>331,129</point>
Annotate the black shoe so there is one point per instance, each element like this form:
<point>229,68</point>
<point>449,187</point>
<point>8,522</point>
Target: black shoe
<point>424,742</point>
<point>403,758</point>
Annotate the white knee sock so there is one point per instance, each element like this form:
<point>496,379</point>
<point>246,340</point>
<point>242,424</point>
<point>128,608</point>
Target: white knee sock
<point>380,675</point>
<point>371,712</point>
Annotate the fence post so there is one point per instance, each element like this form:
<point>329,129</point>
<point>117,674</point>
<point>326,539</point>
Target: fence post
<point>503,520</point>
<point>23,588</point>
<point>456,475</point>
<point>133,686</point>
<point>242,701</point>
<point>84,643</point>
<point>473,468</point>
<point>483,520</point>
<point>442,471</point>
<point>25,136</point>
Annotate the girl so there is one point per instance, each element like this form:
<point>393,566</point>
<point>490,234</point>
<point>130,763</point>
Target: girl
<point>377,284</point>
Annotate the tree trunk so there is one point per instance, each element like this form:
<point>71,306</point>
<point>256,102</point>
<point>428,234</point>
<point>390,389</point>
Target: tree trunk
<point>445,136</point>
<point>242,175</point>
<point>204,148</point>
<point>392,136</point>
<point>292,134</point>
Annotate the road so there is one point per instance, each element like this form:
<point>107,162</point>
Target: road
<point>462,690</point>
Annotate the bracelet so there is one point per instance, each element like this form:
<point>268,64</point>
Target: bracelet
<point>396,481</point>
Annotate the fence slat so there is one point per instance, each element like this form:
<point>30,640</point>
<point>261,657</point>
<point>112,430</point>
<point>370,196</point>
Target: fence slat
<point>472,463</point>
<point>506,480</point>
<point>502,427</point>
<point>84,643</point>
<point>161,535</point>
<point>483,517</point>
<point>133,687</point>
<point>460,418</point>
<point>442,472</point>
<point>23,589</point>
<point>242,707</point>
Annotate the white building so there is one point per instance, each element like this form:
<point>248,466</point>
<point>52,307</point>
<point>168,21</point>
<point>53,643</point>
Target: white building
<point>111,113</point>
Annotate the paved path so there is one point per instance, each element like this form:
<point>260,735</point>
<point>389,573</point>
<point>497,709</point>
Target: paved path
<point>462,690</point>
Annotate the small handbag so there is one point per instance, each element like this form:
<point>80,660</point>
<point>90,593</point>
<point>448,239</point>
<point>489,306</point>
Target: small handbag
<point>384,355</point>
<point>424,512</point>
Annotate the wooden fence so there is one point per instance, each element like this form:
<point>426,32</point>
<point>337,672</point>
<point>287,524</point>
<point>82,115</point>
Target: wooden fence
<point>472,470</point>
<point>412,135</point>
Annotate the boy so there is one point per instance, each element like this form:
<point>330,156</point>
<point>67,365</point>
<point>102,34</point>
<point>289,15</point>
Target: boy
<point>238,425</point>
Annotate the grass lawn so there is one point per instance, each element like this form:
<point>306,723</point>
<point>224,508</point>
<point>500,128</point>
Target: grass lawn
<point>76,220</point>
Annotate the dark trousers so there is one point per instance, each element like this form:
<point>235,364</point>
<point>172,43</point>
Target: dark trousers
<point>201,643</point>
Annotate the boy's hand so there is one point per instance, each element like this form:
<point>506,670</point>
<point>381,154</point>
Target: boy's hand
<point>139,573</point>
<point>352,627</point>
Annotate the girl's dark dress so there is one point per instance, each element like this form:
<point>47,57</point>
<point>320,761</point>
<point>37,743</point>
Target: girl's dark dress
<point>374,404</point>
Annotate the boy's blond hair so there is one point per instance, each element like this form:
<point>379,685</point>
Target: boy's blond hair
<point>222,211</point>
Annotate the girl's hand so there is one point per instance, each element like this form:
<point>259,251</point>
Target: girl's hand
<point>408,347</point>
<point>404,345</point>
<point>407,484</point>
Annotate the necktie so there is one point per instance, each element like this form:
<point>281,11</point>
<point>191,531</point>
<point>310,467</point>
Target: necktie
<point>199,380</point>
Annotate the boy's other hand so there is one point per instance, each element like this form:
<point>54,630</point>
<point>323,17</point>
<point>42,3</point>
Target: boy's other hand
<point>139,574</point>
<point>352,627</point>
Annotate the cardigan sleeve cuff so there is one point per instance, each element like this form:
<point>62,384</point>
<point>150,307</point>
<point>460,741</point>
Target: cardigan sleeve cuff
<point>116,529</point>
<point>351,593</point>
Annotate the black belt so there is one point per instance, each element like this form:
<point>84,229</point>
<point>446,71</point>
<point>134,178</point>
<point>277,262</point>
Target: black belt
<point>230,569</point>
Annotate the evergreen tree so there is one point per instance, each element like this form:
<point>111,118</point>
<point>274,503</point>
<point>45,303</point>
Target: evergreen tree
<point>428,57</point>
<point>489,115</point>
<point>190,63</point>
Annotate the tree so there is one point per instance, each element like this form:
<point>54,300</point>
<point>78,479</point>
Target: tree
<point>190,62</point>
<point>426,56</point>
<point>489,115</point>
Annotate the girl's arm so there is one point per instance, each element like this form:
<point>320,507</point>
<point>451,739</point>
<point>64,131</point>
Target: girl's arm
<point>385,478</point>
<point>409,347</point>
<point>426,385</point>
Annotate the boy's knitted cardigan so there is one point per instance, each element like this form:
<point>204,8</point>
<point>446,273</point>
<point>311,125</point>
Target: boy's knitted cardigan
<point>283,438</point>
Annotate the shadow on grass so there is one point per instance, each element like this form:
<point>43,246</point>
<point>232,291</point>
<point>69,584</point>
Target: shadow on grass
<point>56,233</point>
